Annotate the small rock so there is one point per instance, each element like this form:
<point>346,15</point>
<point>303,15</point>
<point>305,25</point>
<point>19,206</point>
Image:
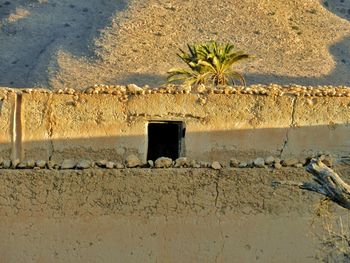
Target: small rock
<point>216,165</point>
<point>180,162</point>
<point>259,162</point>
<point>250,164</point>
<point>290,162</point>
<point>133,88</point>
<point>194,164</point>
<point>84,164</point>
<point>234,163</point>
<point>163,162</point>
<point>277,165</point>
<point>242,165</point>
<point>40,163</point>
<point>6,164</point>
<point>150,163</point>
<point>119,165</point>
<point>15,163</point>
<point>132,161</point>
<point>68,164</point>
<point>110,165</point>
<point>30,164</point>
<point>101,163</point>
<point>269,160</point>
<point>22,165</point>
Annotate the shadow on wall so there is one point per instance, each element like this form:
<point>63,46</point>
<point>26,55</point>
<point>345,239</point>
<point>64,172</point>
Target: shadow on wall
<point>244,144</point>
<point>31,33</point>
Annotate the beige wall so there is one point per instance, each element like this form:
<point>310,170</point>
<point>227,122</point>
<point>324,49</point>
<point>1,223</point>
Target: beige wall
<point>156,215</point>
<point>218,126</point>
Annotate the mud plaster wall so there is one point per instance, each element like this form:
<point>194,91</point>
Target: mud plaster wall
<point>218,126</point>
<point>155,215</point>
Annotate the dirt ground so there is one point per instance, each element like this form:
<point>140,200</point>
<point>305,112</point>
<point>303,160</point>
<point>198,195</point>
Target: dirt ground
<point>157,215</point>
<point>62,43</point>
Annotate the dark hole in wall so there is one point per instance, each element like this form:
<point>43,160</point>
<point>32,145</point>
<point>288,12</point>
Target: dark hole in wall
<point>165,139</point>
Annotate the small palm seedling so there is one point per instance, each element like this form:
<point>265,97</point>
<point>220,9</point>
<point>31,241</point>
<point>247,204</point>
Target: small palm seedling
<point>209,63</point>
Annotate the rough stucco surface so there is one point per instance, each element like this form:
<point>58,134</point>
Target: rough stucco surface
<point>218,126</point>
<point>155,215</point>
<point>7,101</point>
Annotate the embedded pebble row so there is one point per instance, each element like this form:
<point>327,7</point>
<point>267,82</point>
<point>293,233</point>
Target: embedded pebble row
<point>132,161</point>
<point>259,89</point>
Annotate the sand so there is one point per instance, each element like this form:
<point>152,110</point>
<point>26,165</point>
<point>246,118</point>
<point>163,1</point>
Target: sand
<point>56,44</point>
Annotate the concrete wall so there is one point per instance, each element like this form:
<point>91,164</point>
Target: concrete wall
<point>220,123</point>
<point>156,215</point>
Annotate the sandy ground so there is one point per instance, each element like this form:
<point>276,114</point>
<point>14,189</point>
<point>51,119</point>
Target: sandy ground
<point>57,43</point>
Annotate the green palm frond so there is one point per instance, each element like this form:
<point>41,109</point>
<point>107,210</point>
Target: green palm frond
<point>208,63</point>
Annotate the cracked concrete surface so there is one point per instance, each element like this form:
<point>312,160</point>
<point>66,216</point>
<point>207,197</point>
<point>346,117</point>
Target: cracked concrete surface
<point>158,215</point>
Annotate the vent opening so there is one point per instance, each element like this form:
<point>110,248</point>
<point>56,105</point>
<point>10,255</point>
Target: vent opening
<point>165,139</point>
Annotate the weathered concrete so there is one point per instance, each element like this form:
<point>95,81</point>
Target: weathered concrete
<point>149,215</point>
<point>220,124</point>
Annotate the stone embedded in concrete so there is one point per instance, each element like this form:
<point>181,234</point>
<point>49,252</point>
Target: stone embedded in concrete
<point>15,163</point>
<point>7,164</point>
<point>163,162</point>
<point>150,163</point>
<point>216,165</point>
<point>68,164</point>
<point>119,165</point>
<point>242,165</point>
<point>40,163</point>
<point>181,162</point>
<point>84,164</point>
<point>259,162</point>
<point>101,163</point>
<point>110,165</point>
<point>132,161</point>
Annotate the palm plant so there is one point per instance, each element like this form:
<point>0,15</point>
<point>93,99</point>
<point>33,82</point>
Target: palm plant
<point>208,63</point>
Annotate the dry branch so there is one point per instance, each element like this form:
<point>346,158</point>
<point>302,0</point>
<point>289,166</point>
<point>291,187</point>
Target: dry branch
<point>326,182</point>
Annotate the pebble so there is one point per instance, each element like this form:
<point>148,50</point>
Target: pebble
<point>150,163</point>
<point>6,164</point>
<point>68,164</point>
<point>216,165</point>
<point>163,162</point>
<point>242,165</point>
<point>15,163</point>
<point>101,163</point>
<point>84,164</point>
<point>110,165</point>
<point>259,162</point>
<point>132,161</point>
<point>181,162</point>
<point>40,163</point>
<point>119,165</point>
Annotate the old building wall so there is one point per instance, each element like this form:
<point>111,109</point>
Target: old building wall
<point>220,123</point>
<point>156,215</point>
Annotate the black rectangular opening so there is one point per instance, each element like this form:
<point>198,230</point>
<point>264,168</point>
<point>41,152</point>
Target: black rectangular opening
<point>165,139</point>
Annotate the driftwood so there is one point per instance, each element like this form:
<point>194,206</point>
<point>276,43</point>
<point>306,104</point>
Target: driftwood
<point>326,182</point>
